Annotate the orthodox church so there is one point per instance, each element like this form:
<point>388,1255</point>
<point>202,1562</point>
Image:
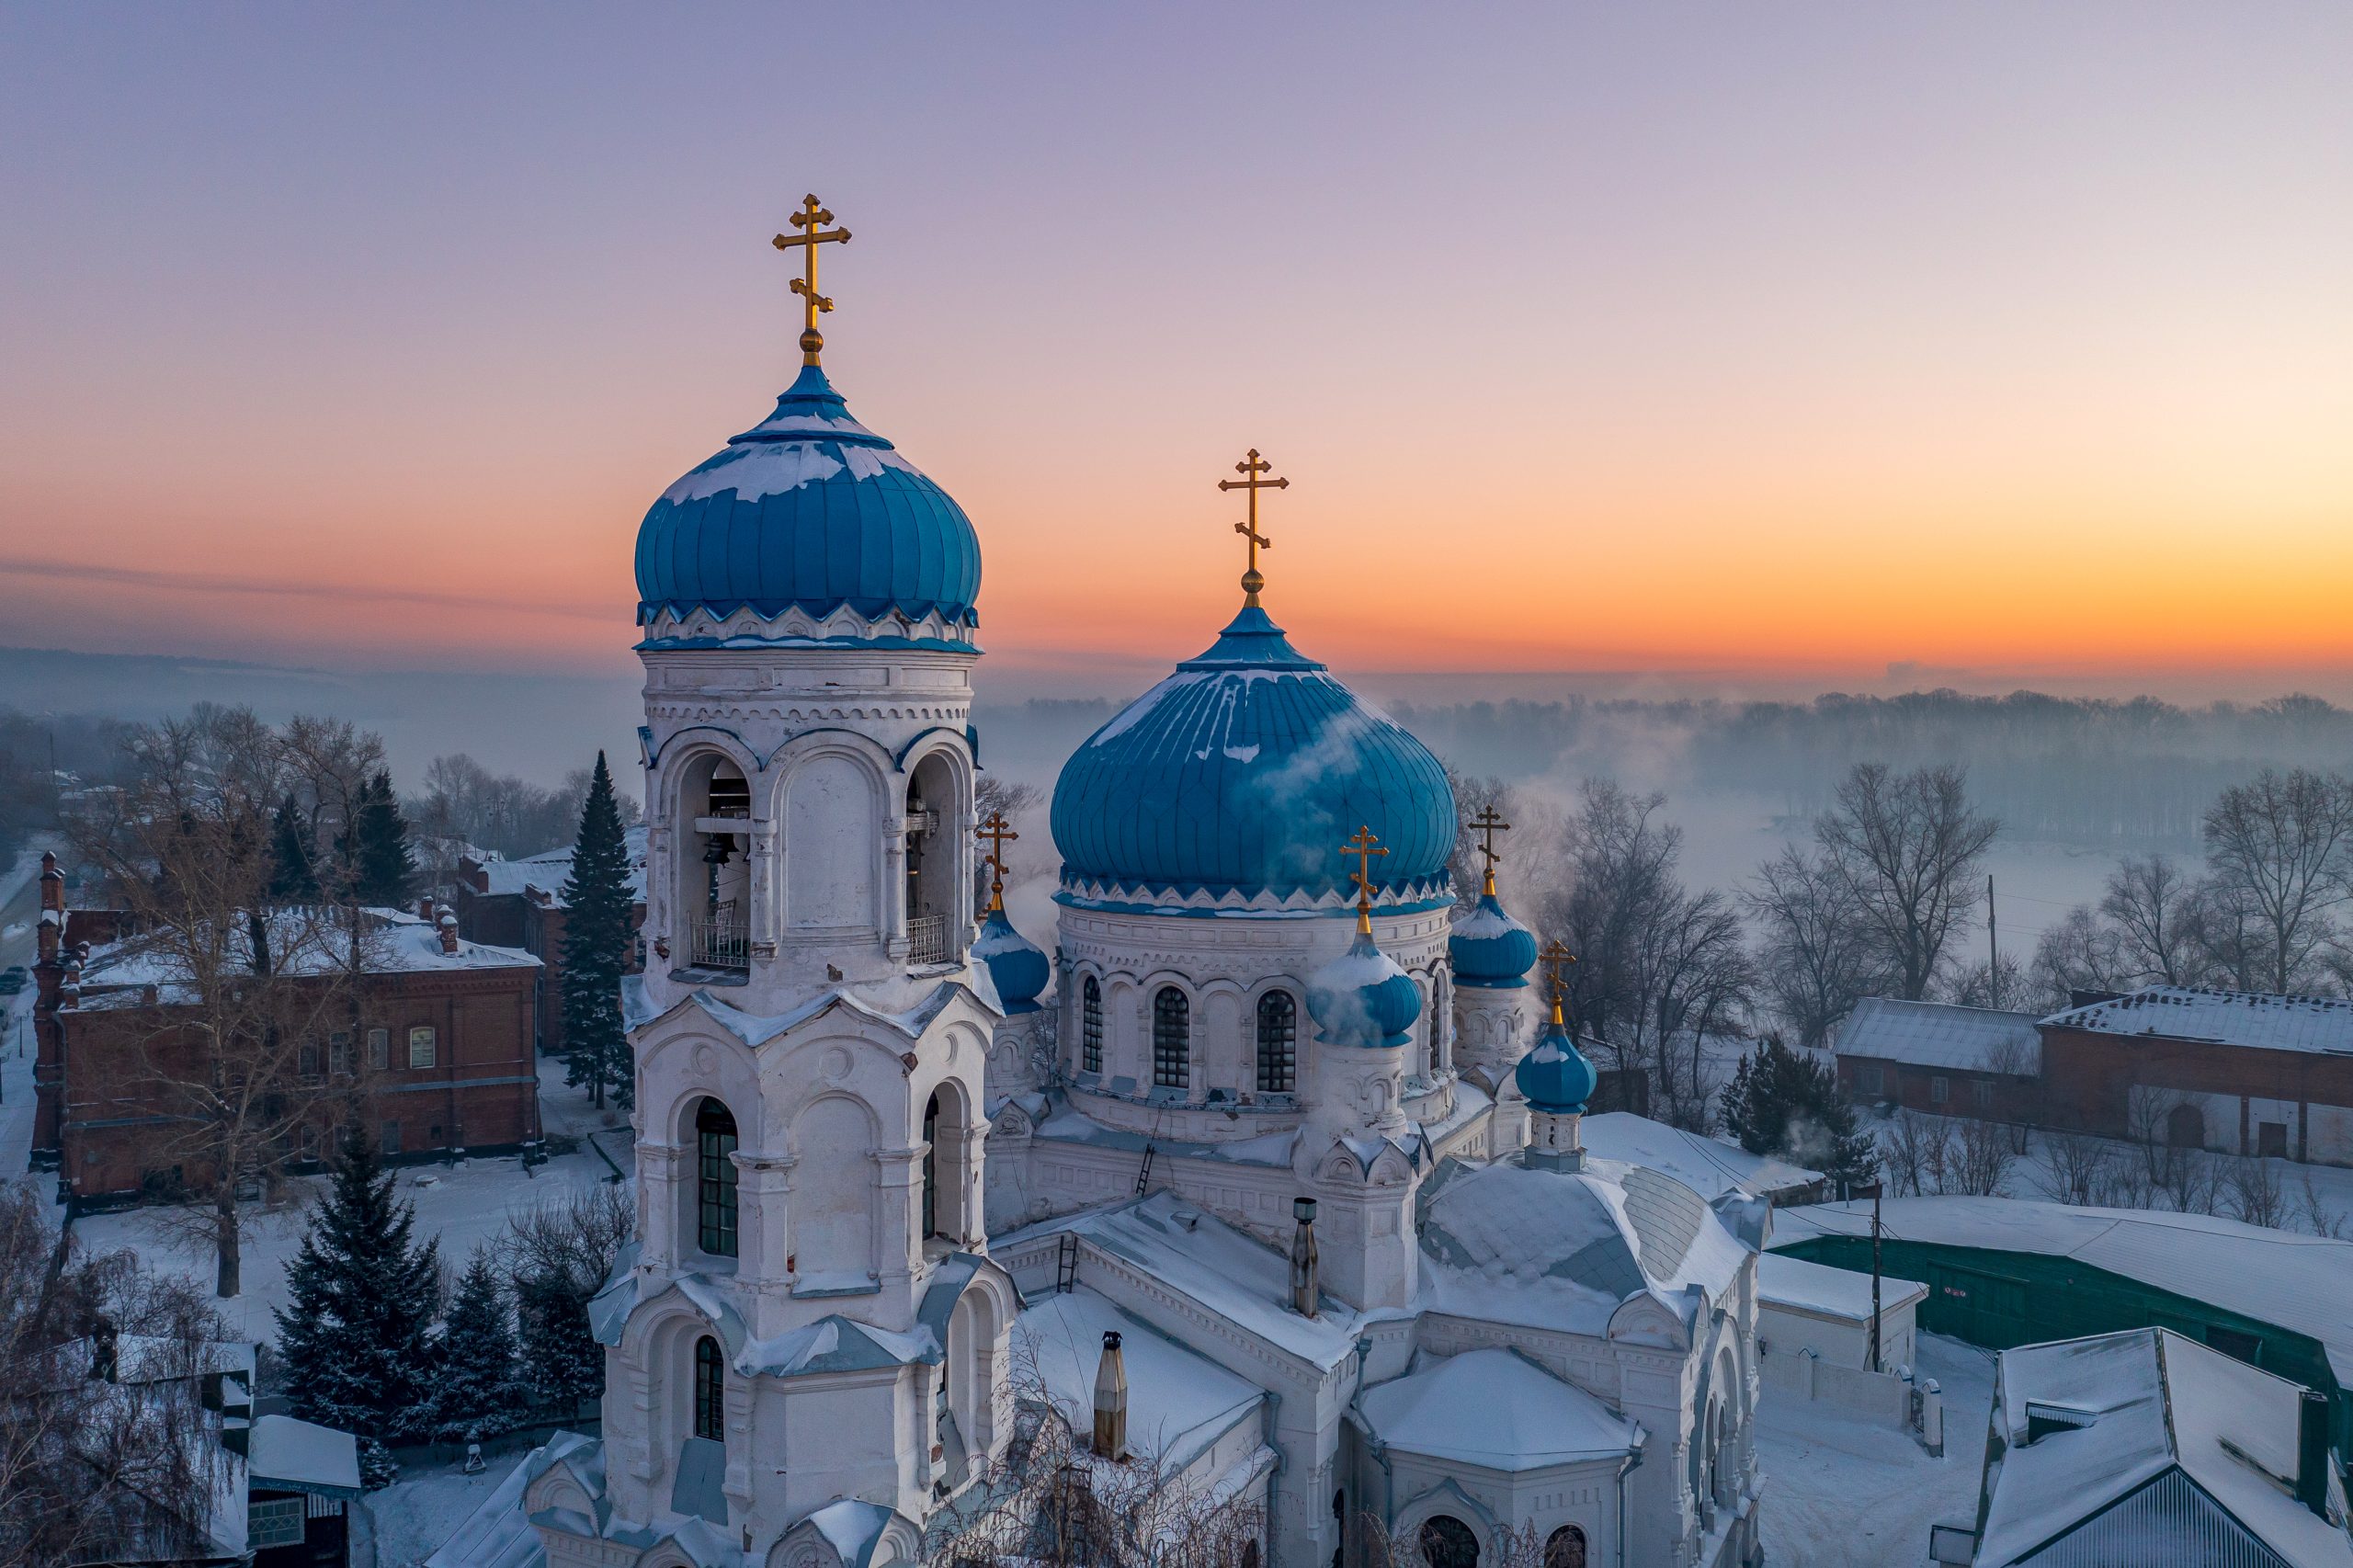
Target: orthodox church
<point>1268,1181</point>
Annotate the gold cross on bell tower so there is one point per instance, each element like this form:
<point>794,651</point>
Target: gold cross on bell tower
<point>811,221</point>
<point>1555,957</point>
<point>997,830</point>
<point>1250,468</point>
<point>1363,846</point>
<point>1486,824</point>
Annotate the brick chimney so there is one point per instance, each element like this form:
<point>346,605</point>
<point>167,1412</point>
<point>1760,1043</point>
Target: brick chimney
<point>449,924</point>
<point>52,906</point>
<point>1111,1399</point>
<point>425,907</point>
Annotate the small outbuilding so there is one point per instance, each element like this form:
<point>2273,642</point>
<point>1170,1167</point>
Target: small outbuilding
<point>1811,1306</point>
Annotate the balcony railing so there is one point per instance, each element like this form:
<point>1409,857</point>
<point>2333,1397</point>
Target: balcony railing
<point>717,944</point>
<point>927,938</point>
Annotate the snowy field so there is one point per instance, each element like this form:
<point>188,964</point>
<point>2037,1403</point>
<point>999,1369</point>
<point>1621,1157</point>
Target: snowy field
<point>1846,1493</point>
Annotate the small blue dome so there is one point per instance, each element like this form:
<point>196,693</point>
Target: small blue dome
<point>1362,998</point>
<point>1489,949</point>
<point>1554,1076</point>
<point>1244,773</point>
<point>809,509</point>
<point>1016,967</point>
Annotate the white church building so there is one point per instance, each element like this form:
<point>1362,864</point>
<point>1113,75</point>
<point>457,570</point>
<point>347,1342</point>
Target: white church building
<point>1279,1118</point>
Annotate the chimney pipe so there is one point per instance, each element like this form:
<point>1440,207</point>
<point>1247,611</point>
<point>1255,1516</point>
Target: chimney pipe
<point>1111,1399</point>
<point>425,906</point>
<point>52,906</point>
<point>449,922</point>
<point>2312,1452</point>
<point>1303,1286</point>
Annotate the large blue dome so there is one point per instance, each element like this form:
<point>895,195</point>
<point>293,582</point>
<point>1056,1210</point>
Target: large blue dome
<point>1240,777</point>
<point>807,509</point>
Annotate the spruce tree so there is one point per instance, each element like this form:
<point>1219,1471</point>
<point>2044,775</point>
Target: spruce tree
<point>355,1335</point>
<point>1784,1103</point>
<point>479,1390</point>
<point>382,869</point>
<point>564,1365</point>
<point>598,937</point>
<point>293,858</point>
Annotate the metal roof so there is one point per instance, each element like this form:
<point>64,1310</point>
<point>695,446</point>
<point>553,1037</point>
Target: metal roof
<point>1939,1034</point>
<point>2320,1024</point>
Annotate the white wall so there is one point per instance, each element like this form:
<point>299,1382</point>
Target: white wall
<point>1840,1341</point>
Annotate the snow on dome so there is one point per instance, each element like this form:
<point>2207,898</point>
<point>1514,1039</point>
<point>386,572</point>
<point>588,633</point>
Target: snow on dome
<point>1362,998</point>
<point>1242,773</point>
<point>1489,949</point>
<point>1554,1075</point>
<point>1016,966</point>
<point>807,509</point>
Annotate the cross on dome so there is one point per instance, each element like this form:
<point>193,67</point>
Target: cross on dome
<point>1250,468</point>
<point>1486,824</point>
<point>1555,957</point>
<point>997,830</point>
<point>1363,845</point>
<point>811,221</point>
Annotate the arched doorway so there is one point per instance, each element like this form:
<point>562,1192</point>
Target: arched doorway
<point>2186,1127</point>
<point>1447,1542</point>
<point>1565,1547</point>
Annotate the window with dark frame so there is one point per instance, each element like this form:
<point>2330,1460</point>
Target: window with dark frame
<point>714,1179</point>
<point>711,1389</point>
<point>1278,1043</point>
<point>380,1049</point>
<point>1172,1027</point>
<point>1090,1025</point>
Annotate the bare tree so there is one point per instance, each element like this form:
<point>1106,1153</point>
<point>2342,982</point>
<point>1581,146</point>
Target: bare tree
<point>2148,1123</point>
<point>2151,904</point>
<point>1916,1150</point>
<point>2256,1196</point>
<point>1816,959</point>
<point>2280,845</point>
<point>2316,1215</point>
<point>1620,878</point>
<point>2081,951</point>
<point>2074,1168</point>
<point>2191,1180</point>
<point>1981,1159</point>
<point>1908,847</point>
<point>108,1452</point>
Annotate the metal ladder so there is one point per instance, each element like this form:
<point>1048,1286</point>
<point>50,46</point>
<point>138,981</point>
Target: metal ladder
<point>1065,1264</point>
<point>1144,1175</point>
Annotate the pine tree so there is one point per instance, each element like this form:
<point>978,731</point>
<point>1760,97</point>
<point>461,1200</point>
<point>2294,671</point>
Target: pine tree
<point>1782,1103</point>
<point>564,1365</point>
<point>382,869</point>
<point>293,858</point>
<point>479,1390</point>
<point>355,1335</point>
<point>598,937</point>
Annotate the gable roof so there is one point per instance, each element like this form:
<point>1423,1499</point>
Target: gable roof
<point>2317,1024</point>
<point>1939,1034</point>
<point>1178,1402</point>
<point>1497,1409</point>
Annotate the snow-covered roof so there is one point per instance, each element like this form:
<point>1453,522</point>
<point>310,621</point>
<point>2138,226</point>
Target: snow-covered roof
<point>301,1456</point>
<point>1515,1244</point>
<point>1497,1409</point>
<point>550,868</point>
<point>905,1003</point>
<point>1941,1034</point>
<point>304,941</point>
<point>1708,1166</point>
<point>1178,1403</point>
<point>2301,1283</point>
<point>1214,1267</point>
<point>2129,1407</point>
<point>1817,1287</point>
<point>2319,1024</point>
<point>499,1534</point>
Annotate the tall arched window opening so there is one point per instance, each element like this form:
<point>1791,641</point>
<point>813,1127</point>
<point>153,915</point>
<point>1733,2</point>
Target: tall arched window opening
<point>931,1169</point>
<point>714,1179</point>
<point>1565,1547</point>
<point>1447,1542</point>
<point>711,1391</point>
<point>1091,1027</point>
<point>1172,1027</point>
<point>1278,1043</point>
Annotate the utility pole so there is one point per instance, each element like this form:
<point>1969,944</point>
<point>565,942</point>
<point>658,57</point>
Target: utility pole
<point>1993,948</point>
<point>1875,1192</point>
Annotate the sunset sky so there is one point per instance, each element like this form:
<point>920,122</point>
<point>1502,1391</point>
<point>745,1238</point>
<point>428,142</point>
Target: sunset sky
<point>1758,341</point>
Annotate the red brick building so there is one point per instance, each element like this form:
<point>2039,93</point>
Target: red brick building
<point>519,904</point>
<point>1942,1059</point>
<point>434,1057</point>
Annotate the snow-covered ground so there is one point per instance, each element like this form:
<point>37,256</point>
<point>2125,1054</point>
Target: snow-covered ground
<point>415,1514</point>
<point>1846,1493</point>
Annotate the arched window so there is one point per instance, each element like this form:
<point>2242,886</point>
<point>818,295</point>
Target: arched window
<point>1172,1019</point>
<point>1091,1027</point>
<point>711,1391</point>
<point>1565,1547</point>
<point>931,1168</point>
<point>714,1179</point>
<point>1278,1042</point>
<point>1447,1542</point>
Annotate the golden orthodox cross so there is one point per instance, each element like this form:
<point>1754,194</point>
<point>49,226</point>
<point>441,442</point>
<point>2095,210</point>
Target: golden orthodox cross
<point>811,221</point>
<point>1363,846</point>
<point>997,830</point>
<point>1486,824</point>
<point>1250,468</point>
<point>1555,957</point>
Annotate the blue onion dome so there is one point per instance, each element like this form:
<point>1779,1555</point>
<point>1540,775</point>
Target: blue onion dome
<point>1238,776</point>
<point>1362,998</point>
<point>1488,949</point>
<point>1016,967</point>
<point>1554,1076</point>
<point>809,510</point>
